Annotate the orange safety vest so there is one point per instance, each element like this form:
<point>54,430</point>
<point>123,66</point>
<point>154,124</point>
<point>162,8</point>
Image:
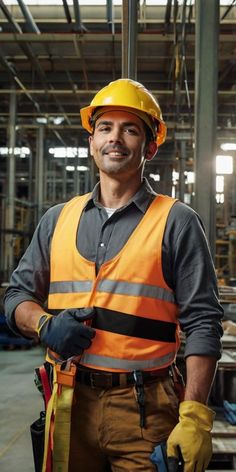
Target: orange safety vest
<point>138,328</point>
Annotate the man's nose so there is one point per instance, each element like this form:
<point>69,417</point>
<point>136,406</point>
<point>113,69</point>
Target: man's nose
<point>115,135</point>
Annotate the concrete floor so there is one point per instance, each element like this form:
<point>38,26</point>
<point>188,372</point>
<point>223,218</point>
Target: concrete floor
<point>20,404</point>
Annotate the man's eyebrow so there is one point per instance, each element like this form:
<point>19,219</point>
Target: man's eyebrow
<point>103,122</point>
<point>124,123</point>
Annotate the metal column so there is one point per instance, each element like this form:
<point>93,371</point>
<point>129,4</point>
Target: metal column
<point>76,180</point>
<point>64,180</point>
<point>129,38</point>
<point>39,174</point>
<point>206,75</point>
<point>92,173</point>
<point>11,185</point>
<point>182,165</point>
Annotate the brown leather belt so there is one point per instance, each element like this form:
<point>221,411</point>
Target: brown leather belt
<point>97,379</point>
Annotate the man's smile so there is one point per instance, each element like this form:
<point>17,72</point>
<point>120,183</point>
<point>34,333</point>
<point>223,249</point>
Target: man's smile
<point>115,152</point>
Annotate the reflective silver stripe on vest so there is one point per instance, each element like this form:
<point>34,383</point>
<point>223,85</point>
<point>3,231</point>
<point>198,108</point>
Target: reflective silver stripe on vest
<point>113,286</point>
<point>71,286</point>
<point>124,364</point>
<point>136,289</point>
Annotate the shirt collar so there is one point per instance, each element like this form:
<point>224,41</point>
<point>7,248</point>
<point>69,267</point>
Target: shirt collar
<point>141,199</point>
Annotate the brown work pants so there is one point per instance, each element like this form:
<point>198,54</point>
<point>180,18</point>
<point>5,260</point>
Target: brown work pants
<point>106,428</point>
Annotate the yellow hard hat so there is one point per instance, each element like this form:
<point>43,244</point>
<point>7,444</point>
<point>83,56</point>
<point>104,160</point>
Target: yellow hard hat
<point>129,94</point>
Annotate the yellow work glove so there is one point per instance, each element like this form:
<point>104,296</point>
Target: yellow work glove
<point>192,436</point>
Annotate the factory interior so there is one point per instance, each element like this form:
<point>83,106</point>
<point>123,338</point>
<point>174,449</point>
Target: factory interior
<point>54,57</point>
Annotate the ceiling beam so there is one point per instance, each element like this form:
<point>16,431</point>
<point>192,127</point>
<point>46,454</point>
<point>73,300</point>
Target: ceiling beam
<point>159,92</point>
<point>99,37</point>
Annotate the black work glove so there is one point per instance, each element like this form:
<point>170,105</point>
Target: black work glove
<point>66,334</point>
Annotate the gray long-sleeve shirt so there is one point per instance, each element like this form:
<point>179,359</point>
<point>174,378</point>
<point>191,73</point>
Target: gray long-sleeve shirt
<point>186,263</point>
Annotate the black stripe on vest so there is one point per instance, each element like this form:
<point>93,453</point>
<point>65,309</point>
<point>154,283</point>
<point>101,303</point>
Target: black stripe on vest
<point>135,326</point>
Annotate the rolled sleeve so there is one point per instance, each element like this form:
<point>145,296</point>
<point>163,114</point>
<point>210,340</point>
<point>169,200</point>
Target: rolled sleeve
<point>30,280</point>
<point>195,285</point>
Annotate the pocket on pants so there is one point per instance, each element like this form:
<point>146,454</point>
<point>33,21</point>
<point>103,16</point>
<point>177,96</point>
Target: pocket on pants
<point>161,410</point>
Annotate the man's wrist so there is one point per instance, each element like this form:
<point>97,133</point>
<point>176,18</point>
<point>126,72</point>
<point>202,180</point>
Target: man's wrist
<point>42,321</point>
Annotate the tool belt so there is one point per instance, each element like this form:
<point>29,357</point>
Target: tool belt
<point>137,378</point>
<point>106,380</point>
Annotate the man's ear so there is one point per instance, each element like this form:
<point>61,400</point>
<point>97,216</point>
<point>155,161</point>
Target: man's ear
<point>151,150</point>
<point>90,140</point>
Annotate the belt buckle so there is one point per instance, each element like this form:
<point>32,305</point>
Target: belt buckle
<point>100,380</point>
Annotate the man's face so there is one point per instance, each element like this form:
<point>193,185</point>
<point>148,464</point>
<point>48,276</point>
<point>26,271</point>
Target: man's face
<point>118,143</point>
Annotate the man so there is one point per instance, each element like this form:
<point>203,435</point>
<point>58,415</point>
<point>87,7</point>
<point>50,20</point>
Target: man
<point>136,266</point>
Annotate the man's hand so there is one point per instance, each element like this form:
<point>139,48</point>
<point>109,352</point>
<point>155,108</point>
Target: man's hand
<point>66,334</point>
<point>192,436</point>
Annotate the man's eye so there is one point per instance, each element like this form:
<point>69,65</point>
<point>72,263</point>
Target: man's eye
<point>131,131</point>
<point>104,128</point>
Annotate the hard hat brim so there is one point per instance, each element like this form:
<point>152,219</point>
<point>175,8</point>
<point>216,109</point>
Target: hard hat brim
<point>88,112</point>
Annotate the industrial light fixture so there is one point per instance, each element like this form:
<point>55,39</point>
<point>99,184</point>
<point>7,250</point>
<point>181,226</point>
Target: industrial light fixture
<point>175,177</point>
<point>228,147</point>
<point>62,152</point>
<point>41,120</point>
<point>58,120</point>
<point>220,198</point>
<point>18,151</point>
<point>44,120</point>
<point>79,168</point>
<point>69,152</point>
<point>155,177</point>
<point>82,168</point>
<point>220,182</point>
<point>224,164</point>
<point>190,177</point>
